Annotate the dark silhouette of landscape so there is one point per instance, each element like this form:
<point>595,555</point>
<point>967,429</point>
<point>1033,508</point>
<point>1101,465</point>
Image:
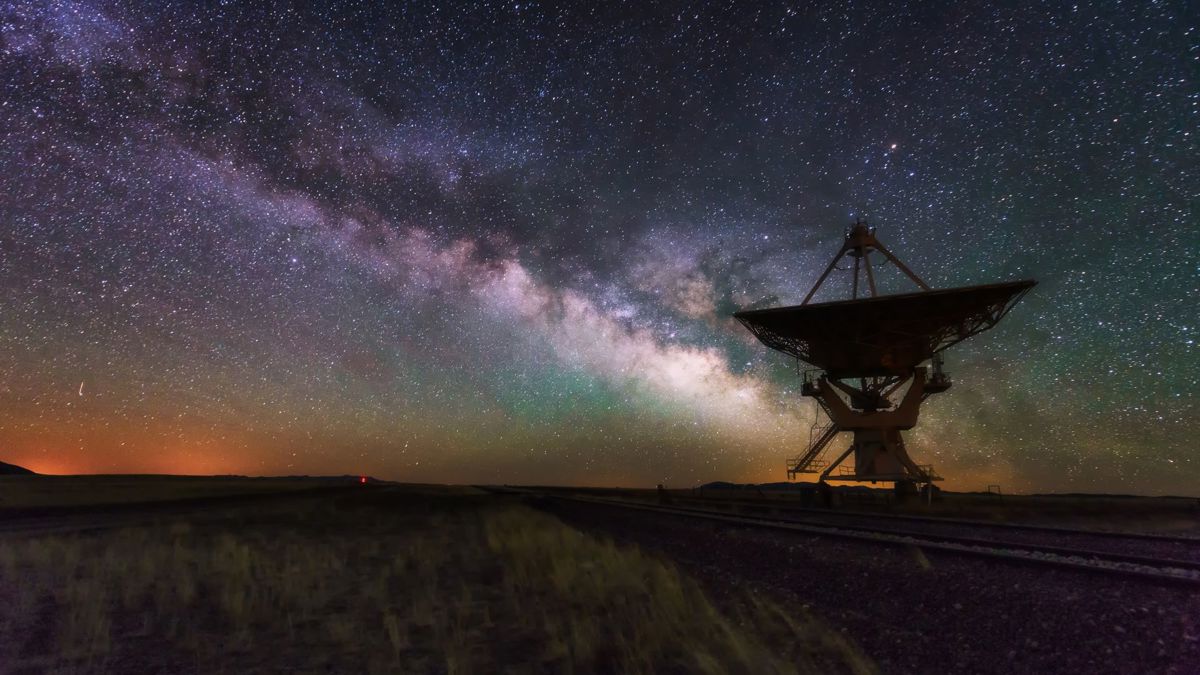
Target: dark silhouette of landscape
<point>14,470</point>
<point>350,574</point>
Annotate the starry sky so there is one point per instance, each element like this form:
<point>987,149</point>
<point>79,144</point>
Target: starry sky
<point>485,242</point>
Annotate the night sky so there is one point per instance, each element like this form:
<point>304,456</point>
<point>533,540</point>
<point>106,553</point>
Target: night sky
<point>502,243</point>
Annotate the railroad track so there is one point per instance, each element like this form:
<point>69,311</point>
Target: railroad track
<point>775,506</point>
<point>1129,544</point>
<point>1165,570</point>
<point>1151,545</point>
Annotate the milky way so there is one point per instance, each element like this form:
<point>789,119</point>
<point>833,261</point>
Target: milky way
<point>502,242</point>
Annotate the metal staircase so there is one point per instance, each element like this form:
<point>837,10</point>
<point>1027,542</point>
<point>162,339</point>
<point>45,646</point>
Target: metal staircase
<point>810,462</point>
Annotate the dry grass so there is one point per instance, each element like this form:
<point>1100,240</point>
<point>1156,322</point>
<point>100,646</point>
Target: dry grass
<point>20,492</point>
<point>381,584</point>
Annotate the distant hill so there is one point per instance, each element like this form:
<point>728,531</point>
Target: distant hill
<point>14,470</point>
<point>788,487</point>
<point>785,487</point>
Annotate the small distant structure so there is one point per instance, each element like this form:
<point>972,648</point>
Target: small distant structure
<point>868,355</point>
<point>664,497</point>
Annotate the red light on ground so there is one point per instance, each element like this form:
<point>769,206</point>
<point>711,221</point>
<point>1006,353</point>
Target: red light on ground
<point>362,479</point>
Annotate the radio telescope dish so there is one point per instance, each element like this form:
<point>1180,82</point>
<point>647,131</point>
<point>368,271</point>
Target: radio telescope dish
<point>883,335</point>
<point>880,344</point>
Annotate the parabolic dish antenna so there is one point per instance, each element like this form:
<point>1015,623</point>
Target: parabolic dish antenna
<point>866,350</point>
<point>883,335</point>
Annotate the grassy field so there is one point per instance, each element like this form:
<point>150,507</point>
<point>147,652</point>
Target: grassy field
<point>21,492</point>
<point>381,580</point>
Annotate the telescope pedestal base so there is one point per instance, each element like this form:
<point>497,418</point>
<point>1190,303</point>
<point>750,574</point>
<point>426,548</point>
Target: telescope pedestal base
<point>878,448</point>
<point>879,455</point>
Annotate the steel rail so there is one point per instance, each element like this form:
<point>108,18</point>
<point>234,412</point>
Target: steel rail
<point>1142,567</point>
<point>978,541</point>
<point>1029,527</point>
